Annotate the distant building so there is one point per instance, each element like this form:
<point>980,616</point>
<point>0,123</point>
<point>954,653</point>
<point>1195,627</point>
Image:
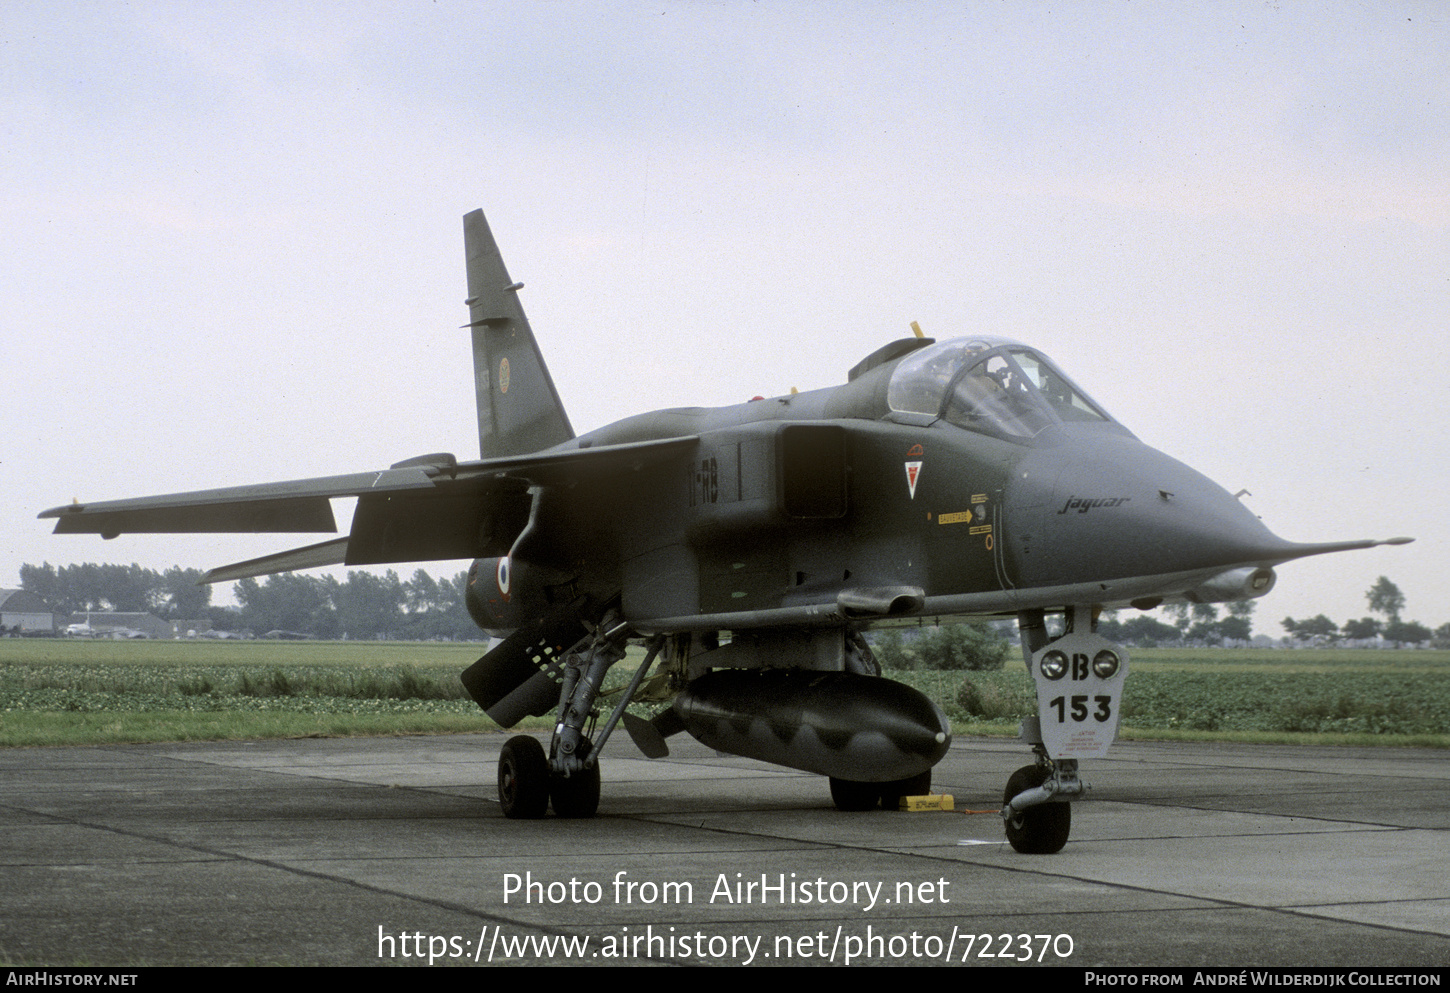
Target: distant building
<point>198,628</point>
<point>24,610</point>
<point>108,624</point>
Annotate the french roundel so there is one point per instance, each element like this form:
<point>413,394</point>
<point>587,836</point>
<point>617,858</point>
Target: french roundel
<point>503,575</point>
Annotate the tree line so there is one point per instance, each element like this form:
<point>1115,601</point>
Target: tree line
<point>1192,624</point>
<point>369,606</point>
<point>361,606</point>
<point>73,589</point>
<point>1384,598</point>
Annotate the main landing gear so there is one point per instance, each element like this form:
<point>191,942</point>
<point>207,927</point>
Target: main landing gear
<point>523,778</point>
<point>1079,681</point>
<point>567,776</point>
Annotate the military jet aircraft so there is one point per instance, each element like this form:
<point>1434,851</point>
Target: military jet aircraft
<point>750,547</point>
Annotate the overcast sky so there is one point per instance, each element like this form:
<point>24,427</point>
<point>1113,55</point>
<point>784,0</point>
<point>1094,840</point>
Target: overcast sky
<point>233,253</point>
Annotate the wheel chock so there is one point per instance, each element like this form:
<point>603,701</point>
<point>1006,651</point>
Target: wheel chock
<point>932,801</point>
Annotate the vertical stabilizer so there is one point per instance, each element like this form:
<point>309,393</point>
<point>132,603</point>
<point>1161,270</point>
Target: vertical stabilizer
<point>518,408</point>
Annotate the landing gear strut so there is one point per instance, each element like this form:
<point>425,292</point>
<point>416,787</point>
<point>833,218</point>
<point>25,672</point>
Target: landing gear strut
<point>1079,680</point>
<point>567,777</point>
<point>577,794</point>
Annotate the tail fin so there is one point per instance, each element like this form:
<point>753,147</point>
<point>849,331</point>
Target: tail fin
<point>518,408</point>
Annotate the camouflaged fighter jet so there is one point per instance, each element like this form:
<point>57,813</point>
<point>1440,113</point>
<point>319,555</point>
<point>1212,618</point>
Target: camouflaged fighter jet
<point>749,548</point>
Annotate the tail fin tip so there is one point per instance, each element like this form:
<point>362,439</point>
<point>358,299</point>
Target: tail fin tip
<point>519,410</point>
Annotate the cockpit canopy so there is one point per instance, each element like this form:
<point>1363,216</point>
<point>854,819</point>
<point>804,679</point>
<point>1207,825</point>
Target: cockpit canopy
<point>991,385</point>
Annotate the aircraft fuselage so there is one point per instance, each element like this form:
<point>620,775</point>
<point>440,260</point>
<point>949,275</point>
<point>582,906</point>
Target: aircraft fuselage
<point>785,509</point>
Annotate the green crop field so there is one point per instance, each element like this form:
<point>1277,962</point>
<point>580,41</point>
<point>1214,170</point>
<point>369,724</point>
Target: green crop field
<point>80,691</point>
<point>64,691</point>
<point>1344,696</point>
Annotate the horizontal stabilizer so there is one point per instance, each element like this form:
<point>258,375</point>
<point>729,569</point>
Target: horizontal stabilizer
<point>332,552</point>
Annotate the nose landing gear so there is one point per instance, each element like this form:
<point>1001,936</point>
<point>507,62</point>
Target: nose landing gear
<point>1079,680</point>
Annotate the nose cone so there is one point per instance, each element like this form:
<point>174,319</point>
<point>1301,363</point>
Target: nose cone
<point>1100,508</point>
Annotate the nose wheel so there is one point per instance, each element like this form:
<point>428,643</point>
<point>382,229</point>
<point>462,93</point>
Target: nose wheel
<point>1040,829</point>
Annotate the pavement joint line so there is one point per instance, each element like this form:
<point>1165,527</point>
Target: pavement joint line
<point>1208,902</point>
<point>220,855</point>
<point>1349,827</point>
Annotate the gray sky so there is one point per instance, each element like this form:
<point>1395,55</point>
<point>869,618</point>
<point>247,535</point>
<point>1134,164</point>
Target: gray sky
<point>233,247</point>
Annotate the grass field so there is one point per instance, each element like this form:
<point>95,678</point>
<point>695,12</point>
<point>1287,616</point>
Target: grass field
<point>64,691</point>
<point>1323,696</point>
<point>87,692</point>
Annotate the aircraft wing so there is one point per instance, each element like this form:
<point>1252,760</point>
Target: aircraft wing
<point>294,506</point>
<point>427,508</point>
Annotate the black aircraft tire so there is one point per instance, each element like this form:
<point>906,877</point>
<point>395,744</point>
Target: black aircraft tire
<point>849,795</point>
<point>1039,830</point>
<point>523,779</point>
<point>891,793</point>
<point>576,795</point>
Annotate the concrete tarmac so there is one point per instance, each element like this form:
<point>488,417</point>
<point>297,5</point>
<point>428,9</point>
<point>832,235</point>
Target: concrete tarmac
<point>394,851</point>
